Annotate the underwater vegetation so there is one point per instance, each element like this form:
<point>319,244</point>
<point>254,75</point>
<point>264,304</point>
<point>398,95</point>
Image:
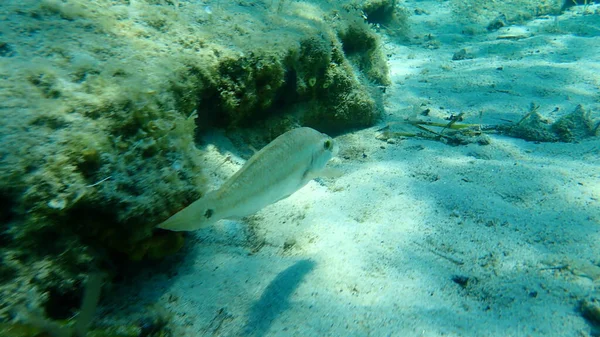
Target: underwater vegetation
<point>573,127</point>
<point>31,323</point>
<point>102,103</point>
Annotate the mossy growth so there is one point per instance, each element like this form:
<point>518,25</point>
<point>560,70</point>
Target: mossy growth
<point>241,89</point>
<point>533,127</point>
<point>97,149</point>
<point>573,127</point>
<point>387,14</point>
<point>362,47</point>
<point>32,330</point>
<point>330,78</point>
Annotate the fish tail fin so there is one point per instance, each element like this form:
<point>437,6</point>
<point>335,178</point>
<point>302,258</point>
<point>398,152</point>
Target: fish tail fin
<point>200,213</point>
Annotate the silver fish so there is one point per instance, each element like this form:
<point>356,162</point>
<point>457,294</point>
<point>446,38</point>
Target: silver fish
<point>279,169</point>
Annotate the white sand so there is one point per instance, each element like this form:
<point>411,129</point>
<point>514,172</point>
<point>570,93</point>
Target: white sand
<point>374,252</point>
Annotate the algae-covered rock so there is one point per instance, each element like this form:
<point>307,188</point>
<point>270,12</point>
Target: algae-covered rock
<point>590,310</point>
<point>572,127</point>
<point>575,126</point>
<point>315,76</point>
<point>532,127</point>
<point>101,104</point>
<point>392,17</point>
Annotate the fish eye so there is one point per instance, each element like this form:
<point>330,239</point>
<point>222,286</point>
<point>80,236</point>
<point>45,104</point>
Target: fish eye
<point>327,144</point>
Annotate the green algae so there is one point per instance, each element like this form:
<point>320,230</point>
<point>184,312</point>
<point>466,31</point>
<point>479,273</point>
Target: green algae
<point>26,330</point>
<point>572,127</point>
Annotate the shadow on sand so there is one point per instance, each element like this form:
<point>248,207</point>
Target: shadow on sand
<point>275,298</point>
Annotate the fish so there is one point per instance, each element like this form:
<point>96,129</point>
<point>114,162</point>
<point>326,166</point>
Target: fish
<point>273,173</point>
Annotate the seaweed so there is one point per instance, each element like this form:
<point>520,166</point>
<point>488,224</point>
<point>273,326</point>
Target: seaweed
<point>34,324</point>
<point>452,132</point>
<point>573,127</point>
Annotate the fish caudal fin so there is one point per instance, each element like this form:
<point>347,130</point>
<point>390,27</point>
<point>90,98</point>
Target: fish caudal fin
<point>197,215</point>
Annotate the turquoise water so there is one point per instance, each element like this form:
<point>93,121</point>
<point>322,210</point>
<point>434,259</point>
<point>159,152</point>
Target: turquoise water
<point>463,200</point>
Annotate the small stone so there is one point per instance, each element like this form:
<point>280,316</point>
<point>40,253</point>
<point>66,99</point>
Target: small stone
<point>461,280</point>
<point>497,23</point>
<point>590,310</point>
<point>462,55</point>
<point>289,244</point>
<point>513,33</point>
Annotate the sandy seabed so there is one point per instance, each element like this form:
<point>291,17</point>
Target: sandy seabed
<point>417,237</point>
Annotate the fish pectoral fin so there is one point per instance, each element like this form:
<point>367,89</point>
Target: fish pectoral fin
<point>330,172</point>
<point>327,172</point>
